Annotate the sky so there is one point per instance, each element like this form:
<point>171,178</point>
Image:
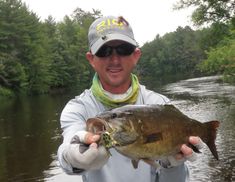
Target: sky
<point>147,18</point>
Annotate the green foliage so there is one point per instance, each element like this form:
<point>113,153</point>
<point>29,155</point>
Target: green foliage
<point>209,11</point>
<point>173,56</point>
<point>219,38</point>
<point>12,73</point>
<point>37,57</point>
<point>221,59</point>
<point>211,36</point>
<point>22,48</point>
<point>5,92</point>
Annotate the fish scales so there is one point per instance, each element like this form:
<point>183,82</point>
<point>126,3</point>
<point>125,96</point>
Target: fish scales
<point>150,131</point>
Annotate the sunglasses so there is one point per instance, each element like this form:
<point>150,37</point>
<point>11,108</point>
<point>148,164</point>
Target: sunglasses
<point>121,50</point>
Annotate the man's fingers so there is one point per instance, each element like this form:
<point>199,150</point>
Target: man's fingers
<point>93,153</point>
<point>89,155</point>
<point>196,141</point>
<point>91,138</point>
<point>187,151</point>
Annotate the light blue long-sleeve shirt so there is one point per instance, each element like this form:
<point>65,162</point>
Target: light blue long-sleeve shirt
<point>118,168</point>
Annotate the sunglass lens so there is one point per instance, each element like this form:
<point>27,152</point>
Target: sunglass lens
<point>125,49</point>
<point>104,51</point>
<point>122,50</point>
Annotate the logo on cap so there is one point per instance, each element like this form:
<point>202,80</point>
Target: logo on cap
<point>109,24</point>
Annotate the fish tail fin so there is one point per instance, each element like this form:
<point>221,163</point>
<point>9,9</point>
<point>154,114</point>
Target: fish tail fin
<point>211,136</point>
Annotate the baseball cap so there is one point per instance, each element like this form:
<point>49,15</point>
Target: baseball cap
<point>108,28</point>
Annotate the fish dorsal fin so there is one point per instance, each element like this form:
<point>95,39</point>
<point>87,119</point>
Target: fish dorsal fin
<point>153,137</point>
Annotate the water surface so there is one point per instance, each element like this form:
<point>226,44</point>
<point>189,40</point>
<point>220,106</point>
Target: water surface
<point>208,99</point>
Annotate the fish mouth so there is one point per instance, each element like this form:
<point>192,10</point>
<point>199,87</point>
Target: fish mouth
<point>97,125</point>
<point>102,128</point>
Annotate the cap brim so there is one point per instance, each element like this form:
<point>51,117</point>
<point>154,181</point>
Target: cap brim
<point>100,42</point>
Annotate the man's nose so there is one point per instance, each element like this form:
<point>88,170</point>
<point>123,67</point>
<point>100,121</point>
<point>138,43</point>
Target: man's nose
<point>115,58</point>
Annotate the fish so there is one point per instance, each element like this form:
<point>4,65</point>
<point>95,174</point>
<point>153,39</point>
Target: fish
<point>150,132</point>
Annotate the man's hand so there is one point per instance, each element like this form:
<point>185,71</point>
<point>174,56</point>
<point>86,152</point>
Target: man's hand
<point>84,153</point>
<point>186,153</point>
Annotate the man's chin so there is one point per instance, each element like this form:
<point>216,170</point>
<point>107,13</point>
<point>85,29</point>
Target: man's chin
<point>115,81</point>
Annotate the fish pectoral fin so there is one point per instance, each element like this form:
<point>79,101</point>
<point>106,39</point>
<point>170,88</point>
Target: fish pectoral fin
<point>153,163</point>
<point>135,163</point>
<point>125,138</point>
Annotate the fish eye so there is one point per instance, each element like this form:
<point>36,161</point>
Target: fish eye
<point>114,115</point>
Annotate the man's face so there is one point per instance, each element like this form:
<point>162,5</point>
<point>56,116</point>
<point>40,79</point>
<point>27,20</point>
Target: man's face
<point>114,70</point>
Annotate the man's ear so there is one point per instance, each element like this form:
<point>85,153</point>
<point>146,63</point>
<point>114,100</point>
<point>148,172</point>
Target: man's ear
<point>137,55</point>
<point>90,57</point>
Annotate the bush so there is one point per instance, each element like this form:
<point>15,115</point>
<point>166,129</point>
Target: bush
<point>4,92</point>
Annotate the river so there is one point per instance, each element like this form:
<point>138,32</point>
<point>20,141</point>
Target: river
<point>30,133</point>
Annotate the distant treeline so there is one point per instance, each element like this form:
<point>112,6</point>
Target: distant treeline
<point>186,53</point>
<point>38,57</point>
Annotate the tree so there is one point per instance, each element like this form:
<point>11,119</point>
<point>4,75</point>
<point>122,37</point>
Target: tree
<point>221,59</point>
<point>219,37</point>
<point>23,49</point>
<point>12,73</point>
<point>36,57</point>
<point>75,72</point>
<point>209,11</point>
<point>171,57</point>
<point>54,47</point>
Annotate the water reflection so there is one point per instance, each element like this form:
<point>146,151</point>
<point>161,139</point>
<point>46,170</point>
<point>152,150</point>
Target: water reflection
<point>28,128</point>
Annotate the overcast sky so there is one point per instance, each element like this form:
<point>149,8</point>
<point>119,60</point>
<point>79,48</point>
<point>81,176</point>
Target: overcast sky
<point>147,18</point>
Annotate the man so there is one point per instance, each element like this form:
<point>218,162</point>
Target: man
<point>113,55</point>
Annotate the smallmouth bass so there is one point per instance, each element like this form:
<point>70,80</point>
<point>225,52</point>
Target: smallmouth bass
<point>150,132</point>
